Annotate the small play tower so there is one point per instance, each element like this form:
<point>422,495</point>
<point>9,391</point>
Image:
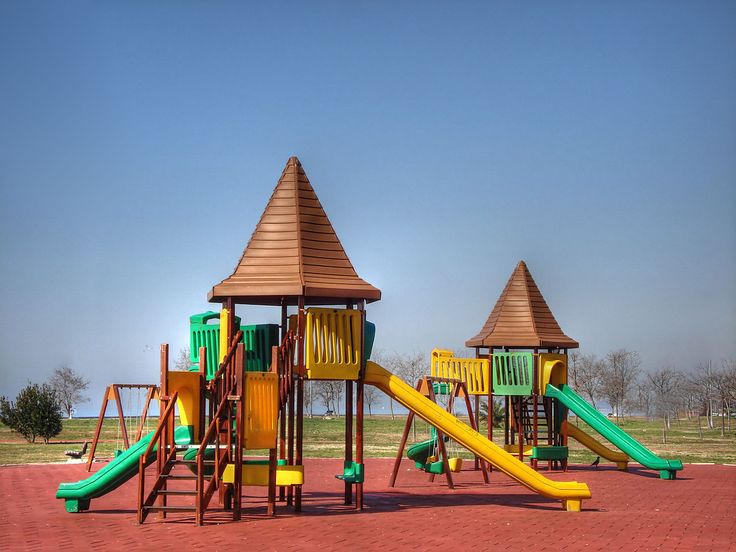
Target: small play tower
<point>527,350</point>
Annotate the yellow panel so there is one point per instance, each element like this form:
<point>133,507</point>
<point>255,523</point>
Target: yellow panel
<point>186,384</point>
<point>224,325</point>
<point>472,371</point>
<point>261,410</point>
<point>256,475</point>
<point>514,449</point>
<point>333,344</point>
<point>552,368</point>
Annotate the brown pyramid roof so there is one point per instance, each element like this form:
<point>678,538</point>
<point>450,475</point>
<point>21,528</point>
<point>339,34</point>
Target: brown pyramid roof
<point>521,318</point>
<point>294,251</point>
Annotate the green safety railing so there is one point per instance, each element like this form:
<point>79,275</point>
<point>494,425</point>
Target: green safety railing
<point>512,373</point>
<point>258,340</point>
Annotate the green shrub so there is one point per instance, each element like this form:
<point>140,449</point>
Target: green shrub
<point>35,413</point>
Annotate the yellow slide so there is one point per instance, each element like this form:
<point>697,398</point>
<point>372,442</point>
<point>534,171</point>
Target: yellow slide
<point>570,493</point>
<point>621,459</point>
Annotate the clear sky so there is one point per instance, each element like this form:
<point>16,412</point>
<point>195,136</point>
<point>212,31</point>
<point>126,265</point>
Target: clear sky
<point>140,142</point>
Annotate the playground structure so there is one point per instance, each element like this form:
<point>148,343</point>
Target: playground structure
<point>241,404</point>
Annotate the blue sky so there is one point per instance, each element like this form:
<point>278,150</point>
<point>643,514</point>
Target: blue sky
<point>140,142</point>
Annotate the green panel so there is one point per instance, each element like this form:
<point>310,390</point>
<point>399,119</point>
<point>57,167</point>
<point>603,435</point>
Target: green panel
<point>612,432</point>
<point>258,342</point>
<point>205,332</point>
<point>512,373</point>
<point>549,453</point>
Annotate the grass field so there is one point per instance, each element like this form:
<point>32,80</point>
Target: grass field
<point>323,437</point>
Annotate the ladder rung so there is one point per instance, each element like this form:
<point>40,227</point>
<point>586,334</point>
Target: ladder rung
<point>187,477</point>
<point>173,492</point>
<point>170,508</point>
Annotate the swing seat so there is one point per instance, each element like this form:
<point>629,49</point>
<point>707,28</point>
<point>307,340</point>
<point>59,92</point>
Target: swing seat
<point>456,464</point>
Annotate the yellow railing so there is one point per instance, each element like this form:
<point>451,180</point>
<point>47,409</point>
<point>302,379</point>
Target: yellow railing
<point>472,371</point>
<point>333,343</point>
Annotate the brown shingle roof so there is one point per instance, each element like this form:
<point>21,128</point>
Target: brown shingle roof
<point>294,251</point>
<point>521,318</point>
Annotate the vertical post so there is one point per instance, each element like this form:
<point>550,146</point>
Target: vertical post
<point>202,394</point>
<point>98,429</point>
<point>282,411</point>
<point>535,406</point>
<point>163,396</point>
<point>121,416</point>
<point>239,427</point>
<point>489,419</point>
<point>348,486</point>
<point>360,408</point>
<point>300,399</point>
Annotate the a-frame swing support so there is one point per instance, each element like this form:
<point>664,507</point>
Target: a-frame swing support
<point>112,393</point>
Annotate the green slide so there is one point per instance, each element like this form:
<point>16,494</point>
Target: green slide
<point>667,468</point>
<point>78,495</point>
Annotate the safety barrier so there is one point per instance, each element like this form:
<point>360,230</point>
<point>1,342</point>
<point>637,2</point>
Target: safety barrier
<point>512,373</point>
<point>472,371</point>
<point>333,343</point>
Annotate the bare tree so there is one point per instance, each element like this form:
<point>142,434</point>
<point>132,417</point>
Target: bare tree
<point>588,377</point>
<point>621,371</point>
<point>664,384</point>
<point>309,397</point>
<point>370,397</point>
<point>68,386</point>
<point>183,363</point>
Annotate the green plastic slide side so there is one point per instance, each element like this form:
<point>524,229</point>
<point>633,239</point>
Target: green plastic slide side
<point>116,472</point>
<point>612,432</point>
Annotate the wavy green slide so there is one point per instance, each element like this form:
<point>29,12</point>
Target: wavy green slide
<point>78,495</point>
<point>667,468</point>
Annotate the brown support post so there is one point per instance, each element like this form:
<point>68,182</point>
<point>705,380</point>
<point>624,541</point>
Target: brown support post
<point>202,394</point>
<point>271,508</point>
<point>163,395</point>
<point>359,407</point>
<point>290,439</point>
<point>239,426</point>
<point>144,415</point>
<point>121,416</point>
<point>440,441</point>
<point>474,425</point>
<point>282,411</point>
<point>98,429</point>
<point>489,418</point>
<point>300,399</point>
<point>402,445</point>
<point>535,406</point>
<point>348,494</point>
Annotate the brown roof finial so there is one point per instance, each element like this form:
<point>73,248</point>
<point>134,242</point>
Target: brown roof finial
<point>294,251</point>
<point>521,318</point>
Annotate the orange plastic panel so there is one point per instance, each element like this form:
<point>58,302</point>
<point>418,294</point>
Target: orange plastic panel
<point>261,410</point>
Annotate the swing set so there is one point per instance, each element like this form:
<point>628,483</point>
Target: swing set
<point>438,454</point>
<point>134,422</point>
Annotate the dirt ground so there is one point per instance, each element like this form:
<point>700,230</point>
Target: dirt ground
<point>629,511</point>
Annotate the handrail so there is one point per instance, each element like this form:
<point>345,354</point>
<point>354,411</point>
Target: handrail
<point>228,357</point>
<point>161,424</point>
<point>165,424</point>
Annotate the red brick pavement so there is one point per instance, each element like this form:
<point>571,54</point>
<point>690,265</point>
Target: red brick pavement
<point>633,511</point>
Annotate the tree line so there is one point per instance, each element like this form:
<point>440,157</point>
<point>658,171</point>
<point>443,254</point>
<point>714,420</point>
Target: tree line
<point>706,393</point>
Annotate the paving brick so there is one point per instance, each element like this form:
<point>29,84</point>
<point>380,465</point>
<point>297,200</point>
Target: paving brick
<point>628,511</point>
